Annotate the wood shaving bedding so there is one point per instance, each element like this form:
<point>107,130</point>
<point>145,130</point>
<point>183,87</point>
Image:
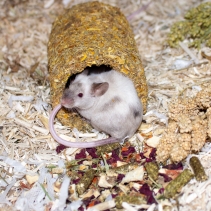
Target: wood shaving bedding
<point>25,145</point>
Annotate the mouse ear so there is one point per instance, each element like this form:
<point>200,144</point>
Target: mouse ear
<point>99,89</point>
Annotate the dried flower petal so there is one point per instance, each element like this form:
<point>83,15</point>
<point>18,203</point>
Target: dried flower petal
<point>145,189</point>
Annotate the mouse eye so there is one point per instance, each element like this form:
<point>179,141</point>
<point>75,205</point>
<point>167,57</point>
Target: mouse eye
<point>80,95</point>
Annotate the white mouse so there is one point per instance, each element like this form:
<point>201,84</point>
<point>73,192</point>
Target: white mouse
<point>107,99</point>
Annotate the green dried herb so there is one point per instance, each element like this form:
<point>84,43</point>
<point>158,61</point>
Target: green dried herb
<point>132,199</point>
<point>125,168</point>
<point>46,193</point>
<point>175,185</point>
<point>85,181</point>
<point>152,170</point>
<point>71,164</point>
<point>196,26</point>
<point>73,174</point>
<point>198,169</point>
<point>107,148</point>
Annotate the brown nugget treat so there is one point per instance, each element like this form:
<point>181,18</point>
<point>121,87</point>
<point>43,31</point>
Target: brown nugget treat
<point>152,170</point>
<point>181,148</point>
<point>87,34</point>
<point>198,169</point>
<point>167,142</point>
<point>176,185</point>
<point>191,118</point>
<point>203,98</point>
<point>199,133</point>
<point>182,106</point>
<point>85,181</point>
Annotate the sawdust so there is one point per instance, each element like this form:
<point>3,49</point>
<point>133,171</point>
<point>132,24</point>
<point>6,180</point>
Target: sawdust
<point>26,146</point>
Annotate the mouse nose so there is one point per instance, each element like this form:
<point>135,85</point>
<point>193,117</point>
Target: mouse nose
<point>62,101</point>
<point>67,102</point>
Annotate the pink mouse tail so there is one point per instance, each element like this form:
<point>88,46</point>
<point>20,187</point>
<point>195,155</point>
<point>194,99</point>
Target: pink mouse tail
<point>75,144</point>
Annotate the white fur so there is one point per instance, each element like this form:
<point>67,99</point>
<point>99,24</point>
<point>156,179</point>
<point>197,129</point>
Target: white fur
<point>113,112</point>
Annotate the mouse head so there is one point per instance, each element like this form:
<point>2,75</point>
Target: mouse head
<point>83,91</point>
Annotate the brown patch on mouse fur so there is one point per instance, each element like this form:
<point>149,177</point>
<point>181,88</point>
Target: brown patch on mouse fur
<point>136,113</point>
<point>78,85</point>
<point>114,101</point>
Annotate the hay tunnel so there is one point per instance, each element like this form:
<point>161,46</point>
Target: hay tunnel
<point>91,33</point>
